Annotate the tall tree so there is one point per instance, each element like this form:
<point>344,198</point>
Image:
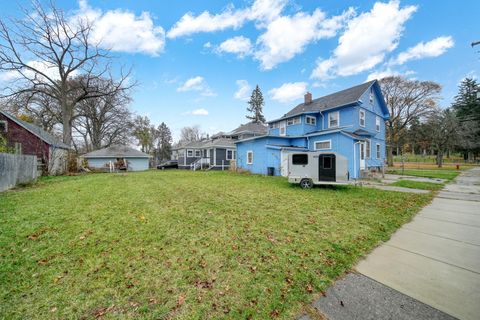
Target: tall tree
<point>164,142</point>
<point>47,51</point>
<point>104,121</point>
<point>145,133</point>
<point>442,129</point>
<point>255,107</point>
<point>189,134</point>
<point>406,100</point>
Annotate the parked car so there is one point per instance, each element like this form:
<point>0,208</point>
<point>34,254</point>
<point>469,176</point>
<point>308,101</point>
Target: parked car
<point>171,164</point>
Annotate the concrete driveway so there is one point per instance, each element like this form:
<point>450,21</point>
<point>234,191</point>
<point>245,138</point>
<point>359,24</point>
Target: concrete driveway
<point>435,259</point>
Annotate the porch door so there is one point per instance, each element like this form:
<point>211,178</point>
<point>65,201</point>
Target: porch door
<point>362,155</point>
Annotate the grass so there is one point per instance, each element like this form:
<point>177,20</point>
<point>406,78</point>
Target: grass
<point>447,174</point>
<point>418,185</point>
<point>183,245</point>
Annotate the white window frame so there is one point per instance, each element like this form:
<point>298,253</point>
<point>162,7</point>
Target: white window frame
<point>190,153</point>
<point>6,126</point>
<point>232,156</point>
<point>370,96</point>
<point>368,148</point>
<point>330,120</point>
<point>377,123</point>
<point>198,153</point>
<point>323,141</point>
<point>249,161</point>
<point>313,120</point>
<point>294,121</point>
<point>360,118</point>
<point>282,125</point>
<point>378,152</point>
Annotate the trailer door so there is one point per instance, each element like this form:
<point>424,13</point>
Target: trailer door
<point>326,167</point>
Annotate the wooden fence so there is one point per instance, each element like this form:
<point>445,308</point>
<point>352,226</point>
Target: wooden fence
<point>17,169</point>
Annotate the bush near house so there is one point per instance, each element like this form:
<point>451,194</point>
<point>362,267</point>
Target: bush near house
<point>181,244</point>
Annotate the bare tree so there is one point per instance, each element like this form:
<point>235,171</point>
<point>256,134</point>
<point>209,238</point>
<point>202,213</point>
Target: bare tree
<point>48,52</point>
<point>104,121</point>
<point>189,134</point>
<point>407,100</point>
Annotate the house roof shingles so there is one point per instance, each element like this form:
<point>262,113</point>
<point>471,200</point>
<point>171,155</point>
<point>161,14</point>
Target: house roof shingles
<point>250,127</point>
<point>116,152</point>
<point>36,130</point>
<point>337,99</point>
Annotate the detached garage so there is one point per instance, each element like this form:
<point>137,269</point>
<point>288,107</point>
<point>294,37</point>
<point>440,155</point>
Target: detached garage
<point>117,158</point>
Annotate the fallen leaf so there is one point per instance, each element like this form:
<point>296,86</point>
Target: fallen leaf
<point>180,300</point>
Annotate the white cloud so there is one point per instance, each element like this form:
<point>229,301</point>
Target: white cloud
<point>207,45</point>
<point>261,11</point>
<point>123,31</point>
<point>288,92</point>
<point>197,112</point>
<point>240,46</point>
<point>287,36</point>
<point>199,84</point>
<point>388,73</point>
<point>433,48</point>
<point>366,40</point>
<point>244,90</point>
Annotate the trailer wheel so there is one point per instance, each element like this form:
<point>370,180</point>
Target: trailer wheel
<point>306,183</point>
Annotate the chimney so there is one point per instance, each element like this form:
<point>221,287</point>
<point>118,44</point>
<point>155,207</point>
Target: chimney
<point>308,98</point>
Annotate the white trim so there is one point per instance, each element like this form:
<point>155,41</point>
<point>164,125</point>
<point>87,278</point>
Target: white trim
<point>249,152</point>
<point>282,125</point>
<point>360,112</point>
<point>313,118</point>
<point>378,151</point>
<point>322,141</point>
<point>378,123</point>
<point>368,155</point>
<point>188,151</point>
<point>233,154</point>
<point>338,119</point>
<point>294,120</point>
<point>199,152</point>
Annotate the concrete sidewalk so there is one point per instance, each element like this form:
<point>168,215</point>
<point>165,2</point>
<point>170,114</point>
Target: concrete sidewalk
<point>433,260</point>
<point>436,257</point>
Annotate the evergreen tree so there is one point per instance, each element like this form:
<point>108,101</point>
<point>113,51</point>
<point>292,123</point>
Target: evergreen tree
<point>256,104</point>
<point>164,142</point>
<point>466,103</point>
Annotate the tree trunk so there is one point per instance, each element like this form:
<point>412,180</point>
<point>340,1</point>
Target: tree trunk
<point>390,146</point>
<point>67,123</point>
<point>440,159</point>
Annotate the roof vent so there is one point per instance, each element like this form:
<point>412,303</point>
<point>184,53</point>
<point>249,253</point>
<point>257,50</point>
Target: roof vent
<point>308,98</point>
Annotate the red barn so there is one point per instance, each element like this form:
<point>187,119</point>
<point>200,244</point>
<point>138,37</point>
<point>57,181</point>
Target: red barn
<point>27,138</point>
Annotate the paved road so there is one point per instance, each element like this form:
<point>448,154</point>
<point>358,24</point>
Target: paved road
<point>435,259</point>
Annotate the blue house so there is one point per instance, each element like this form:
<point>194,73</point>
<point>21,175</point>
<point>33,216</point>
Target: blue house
<point>350,122</point>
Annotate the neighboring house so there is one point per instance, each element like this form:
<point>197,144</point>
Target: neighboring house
<point>122,157</point>
<point>27,138</point>
<point>216,152</point>
<point>350,122</point>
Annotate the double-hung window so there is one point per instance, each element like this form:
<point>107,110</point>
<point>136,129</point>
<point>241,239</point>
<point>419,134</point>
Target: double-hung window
<point>311,120</point>
<point>367,148</point>
<point>333,119</point>
<point>230,155</point>
<point>249,157</point>
<point>361,115</point>
<point>378,151</point>
<point>377,123</point>
<point>198,153</point>
<point>189,153</point>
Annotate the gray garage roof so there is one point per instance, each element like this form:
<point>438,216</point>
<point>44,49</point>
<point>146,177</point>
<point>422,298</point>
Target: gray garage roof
<point>116,152</point>
<point>37,131</point>
<point>337,99</point>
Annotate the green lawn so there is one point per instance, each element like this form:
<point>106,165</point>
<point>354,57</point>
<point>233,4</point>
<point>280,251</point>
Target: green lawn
<point>418,185</point>
<point>447,174</point>
<point>183,245</point>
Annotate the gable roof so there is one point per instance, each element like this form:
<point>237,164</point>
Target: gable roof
<point>116,152</point>
<point>250,127</point>
<point>37,131</point>
<point>337,99</point>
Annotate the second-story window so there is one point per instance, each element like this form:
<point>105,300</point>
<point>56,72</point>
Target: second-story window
<point>293,121</point>
<point>377,124</point>
<point>311,120</point>
<point>361,114</point>
<point>333,119</point>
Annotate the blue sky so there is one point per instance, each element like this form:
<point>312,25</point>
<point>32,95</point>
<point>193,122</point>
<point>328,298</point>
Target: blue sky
<point>196,61</point>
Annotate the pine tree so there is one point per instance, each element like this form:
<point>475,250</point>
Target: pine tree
<point>256,104</point>
<point>164,142</point>
<point>466,102</point>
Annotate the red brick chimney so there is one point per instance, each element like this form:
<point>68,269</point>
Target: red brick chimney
<point>308,98</point>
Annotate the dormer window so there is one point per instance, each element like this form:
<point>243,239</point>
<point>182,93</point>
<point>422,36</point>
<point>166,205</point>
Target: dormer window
<point>361,115</point>
<point>333,119</point>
